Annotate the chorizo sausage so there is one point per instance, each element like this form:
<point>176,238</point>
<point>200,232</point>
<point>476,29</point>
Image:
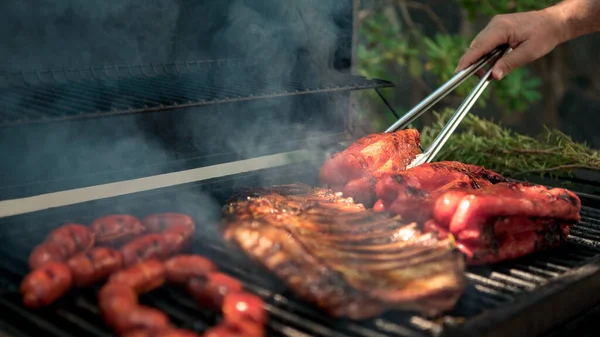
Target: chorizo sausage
<point>116,299</point>
<point>61,244</point>
<point>159,222</point>
<point>45,285</point>
<point>138,317</point>
<point>116,229</point>
<point>151,246</point>
<point>94,265</point>
<point>177,238</point>
<point>236,329</point>
<point>182,268</point>
<point>244,306</point>
<point>73,237</point>
<point>162,333</point>
<point>45,253</point>
<point>209,292</point>
<point>142,277</point>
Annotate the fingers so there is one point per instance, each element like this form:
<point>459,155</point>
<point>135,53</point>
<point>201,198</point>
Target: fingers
<point>495,34</point>
<point>520,56</point>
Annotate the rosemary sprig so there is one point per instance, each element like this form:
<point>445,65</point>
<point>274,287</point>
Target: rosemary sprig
<point>482,142</point>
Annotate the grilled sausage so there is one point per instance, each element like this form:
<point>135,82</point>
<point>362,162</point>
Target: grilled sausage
<point>209,291</point>
<point>46,284</point>
<point>244,306</point>
<point>116,229</point>
<point>61,244</point>
<point>177,238</point>
<point>509,246</point>
<point>182,268</point>
<point>156,223</point>
<point>236,329</point>
<point>94,265</point>
<point>46,253</point>
<point>142,277</point>
<point>151,246</point>
<point>116,299</point>
<point>138,317</point>
<point>73,237</point>
<point>162,333</point>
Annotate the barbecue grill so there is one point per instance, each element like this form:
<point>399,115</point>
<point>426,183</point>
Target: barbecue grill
<point>80,142</point>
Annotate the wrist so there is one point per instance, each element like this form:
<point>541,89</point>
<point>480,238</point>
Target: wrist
<point>573,18</point>
<point>562,21</point>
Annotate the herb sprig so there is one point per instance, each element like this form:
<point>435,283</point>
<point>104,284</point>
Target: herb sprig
<point>482,142</point>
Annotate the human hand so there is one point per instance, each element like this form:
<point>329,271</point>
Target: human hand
<point>531,35</point>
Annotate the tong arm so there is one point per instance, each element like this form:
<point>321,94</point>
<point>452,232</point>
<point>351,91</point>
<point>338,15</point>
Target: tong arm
<point>444,90</point>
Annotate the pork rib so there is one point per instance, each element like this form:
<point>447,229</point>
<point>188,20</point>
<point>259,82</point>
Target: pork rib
<point>506,220</point>
<point>355,170</point>
<point>410,193</point>
<point>349,261</point>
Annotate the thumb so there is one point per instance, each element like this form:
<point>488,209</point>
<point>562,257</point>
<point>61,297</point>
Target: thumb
<point>519,56</point>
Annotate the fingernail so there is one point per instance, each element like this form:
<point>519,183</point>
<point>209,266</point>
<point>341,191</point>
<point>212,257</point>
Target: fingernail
<point>499,73</point>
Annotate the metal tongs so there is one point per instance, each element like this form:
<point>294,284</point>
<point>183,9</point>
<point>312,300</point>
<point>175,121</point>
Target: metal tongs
<point>462,110</point>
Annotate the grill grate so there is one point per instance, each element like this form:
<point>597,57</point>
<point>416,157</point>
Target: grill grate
<point>68,94</point>
<point>491,289</point>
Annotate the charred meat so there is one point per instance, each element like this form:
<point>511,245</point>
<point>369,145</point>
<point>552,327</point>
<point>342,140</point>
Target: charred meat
<point>506,220</point>
<point>355,170</point>
<point>349,261</point>
<point>410,193</point>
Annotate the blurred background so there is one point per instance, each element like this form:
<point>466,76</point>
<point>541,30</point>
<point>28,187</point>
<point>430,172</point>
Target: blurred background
<point>417,43</point>
<point>542,118</point>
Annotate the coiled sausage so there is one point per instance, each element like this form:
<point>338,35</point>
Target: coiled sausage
<point>94,265</point>
<point>116,229</point>
<point>46,284</point>
<point>210,291</point>
<point>182,268</point>
<point>142,277</point>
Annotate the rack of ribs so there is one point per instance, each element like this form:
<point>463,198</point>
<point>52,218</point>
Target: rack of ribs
<point>347,260</point>
<point>355,170</point>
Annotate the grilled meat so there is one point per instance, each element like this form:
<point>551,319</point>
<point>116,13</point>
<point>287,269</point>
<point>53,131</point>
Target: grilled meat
<point>506,220</point>
<point>243,312</point>
<point>355,170</point>
<point>411,193</point>
<point>62,243</point>
<point>116,229</point>
<point>345,259</point>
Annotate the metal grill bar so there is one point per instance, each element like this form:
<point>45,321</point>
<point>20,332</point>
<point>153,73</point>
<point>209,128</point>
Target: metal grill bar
<point>97,93</point>
<point>77,314</point>
<point>492,291</point>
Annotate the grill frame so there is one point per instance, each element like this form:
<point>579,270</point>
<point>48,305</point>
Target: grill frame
<point>145,88</point>
<point>531,314</point>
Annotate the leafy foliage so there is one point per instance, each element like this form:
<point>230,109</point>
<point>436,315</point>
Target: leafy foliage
<point>494,7</point>
<point>482,142</point>
<point>386,45</point>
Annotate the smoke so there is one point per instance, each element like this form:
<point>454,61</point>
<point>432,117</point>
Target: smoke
<point>45,34</point>
<point>279,45</point>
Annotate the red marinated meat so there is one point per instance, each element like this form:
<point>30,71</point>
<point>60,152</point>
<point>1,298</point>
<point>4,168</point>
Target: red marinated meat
<point>506,220</point>
<point>463,211</point>
<point>410,193</point>
<point>355,170</point>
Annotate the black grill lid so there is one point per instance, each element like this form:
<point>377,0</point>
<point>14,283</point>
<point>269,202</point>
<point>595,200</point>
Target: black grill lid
<point>75,128</point>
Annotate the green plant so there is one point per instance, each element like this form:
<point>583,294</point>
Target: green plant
<point>389,41</point>
<point>482,142</point>
<point>494,7</point>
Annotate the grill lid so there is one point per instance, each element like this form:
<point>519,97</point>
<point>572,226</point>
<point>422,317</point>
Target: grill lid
<point>70,129</point>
